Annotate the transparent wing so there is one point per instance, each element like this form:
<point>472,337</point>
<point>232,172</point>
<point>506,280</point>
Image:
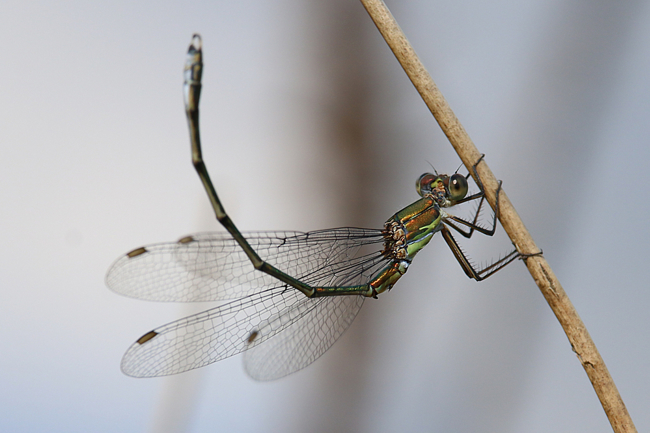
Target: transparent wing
<point>206,337</point>
<point>319,323</point>
<point>212,266</point>
<point>337,257</point>
<point>198,340</point>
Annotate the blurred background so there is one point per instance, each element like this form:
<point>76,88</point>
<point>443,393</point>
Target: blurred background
<point>309,122</point>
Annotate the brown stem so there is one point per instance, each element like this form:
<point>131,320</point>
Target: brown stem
<point>541,272</point>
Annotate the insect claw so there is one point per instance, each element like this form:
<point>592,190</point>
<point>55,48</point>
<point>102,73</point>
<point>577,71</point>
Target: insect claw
<point>524,257</point>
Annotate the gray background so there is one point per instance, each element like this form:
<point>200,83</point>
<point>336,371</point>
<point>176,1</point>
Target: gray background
<point>308,123</point>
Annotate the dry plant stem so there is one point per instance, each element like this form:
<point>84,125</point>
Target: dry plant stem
<point>541,272</point>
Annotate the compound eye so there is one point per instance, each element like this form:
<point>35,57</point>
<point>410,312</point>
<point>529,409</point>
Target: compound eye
<point>457,187</point>
<point>424,184</point>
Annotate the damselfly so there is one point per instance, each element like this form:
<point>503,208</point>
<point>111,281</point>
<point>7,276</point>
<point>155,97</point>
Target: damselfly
<point>296,293</point>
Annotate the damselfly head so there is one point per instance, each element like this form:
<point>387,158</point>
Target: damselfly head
<point>443,187</point>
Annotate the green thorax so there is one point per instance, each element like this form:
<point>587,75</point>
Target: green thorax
<point>405,233</point>
<point>411,229</point>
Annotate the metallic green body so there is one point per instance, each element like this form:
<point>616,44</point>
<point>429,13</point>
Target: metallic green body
<point>421,220</point>
<point>415,225</point>
<point>406,233</point>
